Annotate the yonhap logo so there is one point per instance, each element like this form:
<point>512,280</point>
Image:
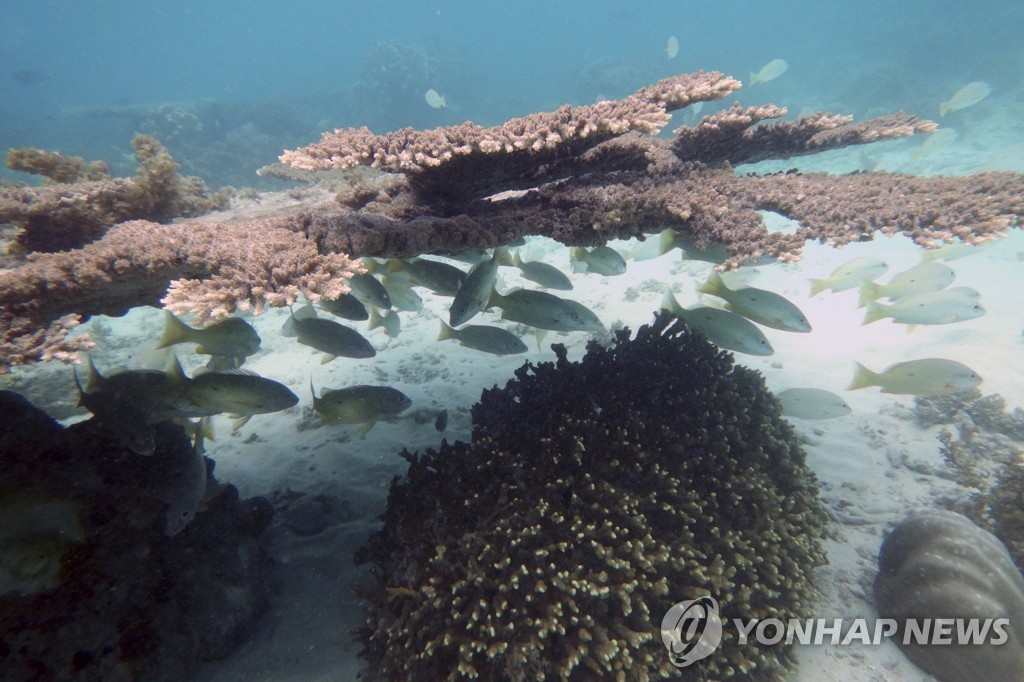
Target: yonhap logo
<point>691,630</point>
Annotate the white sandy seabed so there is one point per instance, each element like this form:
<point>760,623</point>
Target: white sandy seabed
<point>868,462</point>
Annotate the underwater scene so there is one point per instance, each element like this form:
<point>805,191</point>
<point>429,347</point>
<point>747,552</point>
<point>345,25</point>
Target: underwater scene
<point>511,341</point>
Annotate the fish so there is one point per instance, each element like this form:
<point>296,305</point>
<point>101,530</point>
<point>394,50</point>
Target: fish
<point>474,293</point>
<point>157,394</point>
<point>390,321</point>
<point>441,278</point>
<point>434,100</point>
<point>494,340</point>
<point>327,336</point>
<point>545,275</point>
<point>943,137</point>
<point>811,403</point>
<point>672,48</point>
<point>239,393</point>
<point>362,404</point>
<point>969,95</point>
<point>925,377</point>
<point>723,328</point>
<point>602,260</point>
<point>759,305</point>
<point>441,422</point>
<point>849,275</point>
<point>120,416</point>
<point>545,311</point>
<point>368,289</point>
<point>670,239</point>
<point>695,109</point>
<point>945,306</point>
<point>402,296</point>
<point>230,338</point>
<point>769,71</point>
<point>954,251</point>
<point>467,256</point>
<point>346,306</point>
<point>916,280</point>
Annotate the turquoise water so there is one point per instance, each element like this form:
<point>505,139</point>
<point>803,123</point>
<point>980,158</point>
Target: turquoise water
<point>82,77</point>
<point>227,86</point>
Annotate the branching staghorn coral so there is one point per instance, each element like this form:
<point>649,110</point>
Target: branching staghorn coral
<point>593,496</point>
<point>581,175</point>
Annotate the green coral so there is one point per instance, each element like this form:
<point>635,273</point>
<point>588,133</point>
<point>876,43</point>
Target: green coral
<point>595,495</point>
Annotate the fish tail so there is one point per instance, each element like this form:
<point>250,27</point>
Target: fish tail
<point>818,286</point>
<point>175,372</point>
<point>576,259</point>
<point>862,378</point>
<point>754,80</point>
<point>876,311</point>
<point>311,389</point>
<point>445,333</point>
<point>943,108</point>
<point>175,331</point>
<point>669,303</point>
<point>517,260</point>
<point>714,286</point>
<point>503,257</point>
<point>375,319</point>
<point>94,378</point>
<point>666,241</point>
<point>395,265</point>
<point>869,291</point>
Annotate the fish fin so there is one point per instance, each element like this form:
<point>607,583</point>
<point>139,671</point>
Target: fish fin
<point>327,358</point>
<point>306,312</point>
<point>375,318</point>
<point>93,379</point>
<point>364,429</point>
<point>240,422</point>
<point>395,265</point>
<point>503,257</point>
<point>201,350</point>
<point>911,328</point>
<point>669,303</point>
<point>875,312</point>
<point>445,333</point>
<point>869,291</point>
<point>667,241</point>
<point>288,328</point>
<point>576,262</point>
<point>817,286</point>
<point>175,331</point>
<point>174,371</point>
<point>311,389</point>
<point>862,378</point>
<point>540,334</point>
<point>714,285</point>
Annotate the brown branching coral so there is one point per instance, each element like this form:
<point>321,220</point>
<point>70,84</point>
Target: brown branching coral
<point>593,496</point>
<point>213,270</point>
<point>83,201</point>
<point>582,175</point>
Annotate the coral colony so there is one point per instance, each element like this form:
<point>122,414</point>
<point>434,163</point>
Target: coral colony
<point>614,180</point>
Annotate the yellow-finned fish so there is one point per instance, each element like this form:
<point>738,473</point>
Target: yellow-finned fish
<point>769,72</point>
<point>759,305</point>
<point>812,403</point>
<point>945,306</point>
<point>849,275</point>
<point>916,280</point>
<point>925,377</point>
<point>969,95</point>
<point>230,338</point>
<point>362,404</point>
